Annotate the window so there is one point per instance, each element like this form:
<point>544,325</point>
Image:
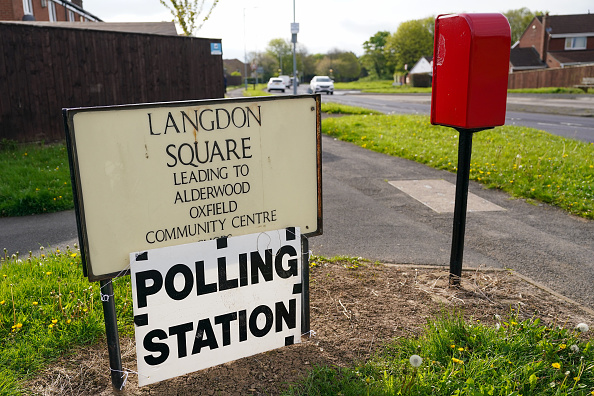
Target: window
<point>575,43</point>
<point>71,16</point>
<point>51,9</point>
<point>27,7</point>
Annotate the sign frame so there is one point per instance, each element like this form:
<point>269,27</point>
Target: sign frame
<point>79,200</point>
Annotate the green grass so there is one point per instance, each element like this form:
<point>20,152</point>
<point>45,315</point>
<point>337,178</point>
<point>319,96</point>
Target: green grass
<point>335,108</point>
<point>380,86</point>
<point>260,90</point>
<point>525,162</point>
<point>46,308</point>
<point>548,90</point>
<point>462,358</point>
<point>35,178</point>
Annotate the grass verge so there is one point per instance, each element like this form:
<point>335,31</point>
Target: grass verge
<point>46,307</point>
<point>455,357</point>
<point>35,178</point>
<point>258,90</point>
<point>525,162</point>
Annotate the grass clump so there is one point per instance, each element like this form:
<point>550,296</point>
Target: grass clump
<point>456,357</point>
<point>259,90</point>
<point>524,162</point>
<point>348,261</point>
<point>35,178</point>
<point>46,308</point>
<point>337,108</point>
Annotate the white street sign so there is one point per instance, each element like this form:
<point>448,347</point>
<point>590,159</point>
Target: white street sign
<point>206,303</point>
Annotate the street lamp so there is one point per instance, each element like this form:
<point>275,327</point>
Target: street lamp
<point>294,31</point>
<point>245,50</point>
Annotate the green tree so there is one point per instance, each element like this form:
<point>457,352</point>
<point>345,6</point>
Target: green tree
<point>374,58</point>
<point>340,65</point>
<point>519,20</point>
<point>411,41</point>
<point>187,12</point>
<point>282,50</point>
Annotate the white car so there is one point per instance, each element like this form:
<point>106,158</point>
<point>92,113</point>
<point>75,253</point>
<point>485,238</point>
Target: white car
<point>276,83</point>
<point>322,84</point>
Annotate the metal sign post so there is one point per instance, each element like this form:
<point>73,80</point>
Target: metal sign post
<point>111,331</point>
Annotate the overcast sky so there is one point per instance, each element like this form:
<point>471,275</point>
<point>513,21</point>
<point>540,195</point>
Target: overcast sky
<point>248,25</point>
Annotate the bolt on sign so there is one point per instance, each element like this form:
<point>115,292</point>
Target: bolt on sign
<point>155,175</point>
<point>206,303</point>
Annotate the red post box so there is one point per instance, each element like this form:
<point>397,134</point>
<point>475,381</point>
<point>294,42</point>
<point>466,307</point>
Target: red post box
<point>470,70</point>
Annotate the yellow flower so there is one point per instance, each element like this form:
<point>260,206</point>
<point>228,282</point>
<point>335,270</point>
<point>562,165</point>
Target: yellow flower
<point>49,272</point>
<point>51,326</point>
<point>453,346</point>
<point>54,321</point>
<point>2,302</point>
<point>457,361</point>
<point>68,321</point>
<point>85,310</point>
<point>562,346</point>
<point>576,379</point>
<point>4,276</point>
<point>461,349</point>
<point>556,365</point>
<point>35,303</point>
<point>73,255</point>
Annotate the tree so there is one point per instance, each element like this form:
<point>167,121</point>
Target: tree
<point>374,59</point>
<point>186,12</point>
<point>342,66</point>
<point>519,20</point>
<point>281,49</point>
<point>411,41</point>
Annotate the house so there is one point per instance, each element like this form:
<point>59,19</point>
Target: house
<point>553,41</point>
<point>423,66</point>
<point>45,10</point>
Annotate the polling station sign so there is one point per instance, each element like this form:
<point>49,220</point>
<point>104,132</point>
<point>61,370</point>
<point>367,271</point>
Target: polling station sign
<point>206,303</point>
<point>155,175</point>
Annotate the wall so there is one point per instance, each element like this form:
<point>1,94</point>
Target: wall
<point>560,77</point>
<point>45,69</point>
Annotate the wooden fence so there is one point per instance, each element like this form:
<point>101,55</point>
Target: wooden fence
<point>45,69</point>
<point>559,77</point>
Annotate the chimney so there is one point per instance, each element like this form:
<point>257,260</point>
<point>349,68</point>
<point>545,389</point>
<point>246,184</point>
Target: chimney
<point>544,44</point>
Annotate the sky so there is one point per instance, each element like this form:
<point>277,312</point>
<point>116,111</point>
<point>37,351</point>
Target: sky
<point>248,25</point>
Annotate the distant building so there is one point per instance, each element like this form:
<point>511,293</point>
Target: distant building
<point>45,10</point>
<point>423,66</point>
<point>552,41</point>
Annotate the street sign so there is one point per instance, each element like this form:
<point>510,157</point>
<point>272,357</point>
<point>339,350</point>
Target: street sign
<point>207,303</point>
<point>164,174</point>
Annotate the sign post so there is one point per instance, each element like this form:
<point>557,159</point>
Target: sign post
<point>161,175</point>
<point>469,93</point>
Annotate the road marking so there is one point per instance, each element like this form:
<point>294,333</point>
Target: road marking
<point>439,195</point>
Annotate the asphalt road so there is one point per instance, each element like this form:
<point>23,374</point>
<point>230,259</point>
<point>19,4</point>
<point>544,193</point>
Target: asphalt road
<point>365,216</point>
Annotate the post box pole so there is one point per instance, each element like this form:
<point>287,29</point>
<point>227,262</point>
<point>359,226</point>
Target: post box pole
<point>111,331</point>
<point>462,178</point>
<point>305,315</point>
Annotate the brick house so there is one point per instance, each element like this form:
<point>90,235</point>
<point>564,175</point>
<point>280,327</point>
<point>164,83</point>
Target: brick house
<point>45,10</point>
<point>553,41</point>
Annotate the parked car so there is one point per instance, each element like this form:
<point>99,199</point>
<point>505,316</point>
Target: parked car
<point>276,83</point>
<point>322,84</point>
<point>286,80</point>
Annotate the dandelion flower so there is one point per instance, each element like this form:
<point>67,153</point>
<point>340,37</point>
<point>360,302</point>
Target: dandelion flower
<point>48,273</point>
<point>416,360</point>
<point>457,361</point>
<point>2,302</point>
<point>567,373</point>
<point>68,321</point>
<point>461,349</point>
<point>583,328</point>
<point>54,321</point>
<point>574,348</point>
<point>73,255</point>
<point>453,346</point>
<point>35,303</point>
<point>51,326</point>
<point>19,325</point>
<point>556,365</point>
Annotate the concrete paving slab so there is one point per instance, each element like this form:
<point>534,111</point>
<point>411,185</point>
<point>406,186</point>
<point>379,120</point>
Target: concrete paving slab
<point>439,195</point>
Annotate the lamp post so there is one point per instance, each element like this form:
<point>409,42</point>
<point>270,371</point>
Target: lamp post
<point>245,50</point>
<point>294,31</point>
